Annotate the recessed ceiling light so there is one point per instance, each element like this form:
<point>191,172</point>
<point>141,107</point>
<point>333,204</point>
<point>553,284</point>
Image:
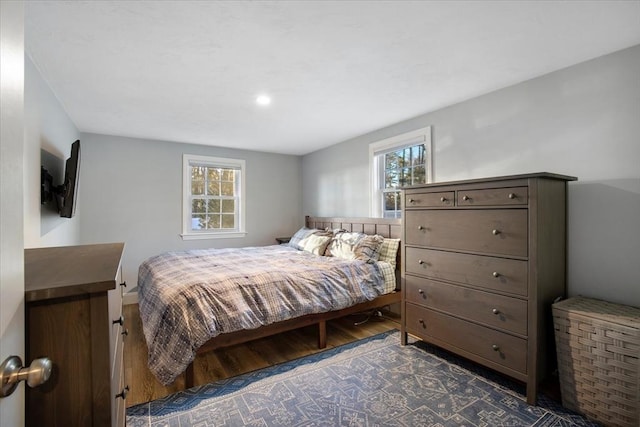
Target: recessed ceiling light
<point>263,100</point>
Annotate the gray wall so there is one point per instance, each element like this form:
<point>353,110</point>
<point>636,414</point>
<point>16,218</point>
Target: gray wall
<point>48,135</point>
<point>131,191</point>
<point>582,121</point>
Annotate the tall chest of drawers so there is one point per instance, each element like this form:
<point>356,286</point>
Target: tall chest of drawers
<point>483,261</point>
<point>74,317</point>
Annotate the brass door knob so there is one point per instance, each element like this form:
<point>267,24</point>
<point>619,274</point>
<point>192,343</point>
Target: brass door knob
<point>12,372</point>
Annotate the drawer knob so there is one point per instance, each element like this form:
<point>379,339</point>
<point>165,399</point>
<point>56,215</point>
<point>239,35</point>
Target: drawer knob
<point>495,274</point>
<point>420,262</point>
<point>421,322</point>
<point>125,332</point>
<point>495,311</point>
<point>123,393</point>
<point>420,291</point>
<point>495,347</point>
<point>411,200</point>
<point>495,232</point>
<point>443,199</point>
<point>420,227</point>
<point>511,196</point>
<point>465,197</point>
<point>119,320</point>
<point>124,284</point>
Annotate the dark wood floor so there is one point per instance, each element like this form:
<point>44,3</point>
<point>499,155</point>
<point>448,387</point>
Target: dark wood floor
<point>239,359</point>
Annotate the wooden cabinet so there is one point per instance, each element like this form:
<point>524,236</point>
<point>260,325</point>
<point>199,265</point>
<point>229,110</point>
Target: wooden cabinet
<point>73,299</point>
<point>483,260</point>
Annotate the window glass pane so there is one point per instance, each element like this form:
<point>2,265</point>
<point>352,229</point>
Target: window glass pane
<point>197,173</point>
<point>228,221</point>
<point>198,222</point>
<point>213,221</point>
<point>228,206</point>
<point>405,177</point>
<point>390,201</point>
<point>406,154</point>
<point>213,206</point>
<point>197,188</point>
<point>399,158</point>
<point>391,160</point>
<point>227,174</point>
<point>391,179</point>
<point>213,188</point>
<point>419,175</point>
<point>227,188</point>
<point>417,155</point>
<point>213,174</point>
<point>198,206</point>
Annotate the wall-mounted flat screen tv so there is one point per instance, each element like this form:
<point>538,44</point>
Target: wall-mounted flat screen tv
<point>65,194</point>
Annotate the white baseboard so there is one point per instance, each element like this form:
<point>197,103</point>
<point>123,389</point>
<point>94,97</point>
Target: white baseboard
<point>130,298</point>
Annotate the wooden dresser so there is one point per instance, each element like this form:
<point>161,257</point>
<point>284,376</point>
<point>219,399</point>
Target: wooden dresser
<point>483,260</point>
<point>73,312</point>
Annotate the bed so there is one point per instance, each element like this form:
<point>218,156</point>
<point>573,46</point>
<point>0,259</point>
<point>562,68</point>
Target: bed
<point>196,301</point>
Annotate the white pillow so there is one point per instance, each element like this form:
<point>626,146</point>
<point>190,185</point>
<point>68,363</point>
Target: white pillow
<point>353,245</point>
<point>314,243</point>
<point>304,232</point>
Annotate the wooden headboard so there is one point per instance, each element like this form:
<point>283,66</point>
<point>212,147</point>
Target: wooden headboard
<point>386,227</point>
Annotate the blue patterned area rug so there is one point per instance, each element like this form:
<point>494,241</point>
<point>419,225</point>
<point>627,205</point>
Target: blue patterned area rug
<point>372,382</point>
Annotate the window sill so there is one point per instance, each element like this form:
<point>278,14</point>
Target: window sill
<point>202,236</point>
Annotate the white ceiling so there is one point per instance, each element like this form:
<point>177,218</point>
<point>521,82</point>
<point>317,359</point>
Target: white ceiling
<point>189,71</point>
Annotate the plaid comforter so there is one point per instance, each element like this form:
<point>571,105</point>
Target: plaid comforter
<point>188,297</point>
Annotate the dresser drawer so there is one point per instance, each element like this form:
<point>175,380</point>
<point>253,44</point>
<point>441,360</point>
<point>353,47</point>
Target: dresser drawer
<point>115,314</point>
<point>492,273</point>
<point>494,197</point>
<point>117,381</point>
<point>489,231</point>
<point>490,309</point>
<point>119,406</point>
<point>498,347</point>
<point>429,200</point>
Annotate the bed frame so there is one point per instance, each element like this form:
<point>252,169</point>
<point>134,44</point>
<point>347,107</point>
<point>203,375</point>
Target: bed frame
<point>385,227</point>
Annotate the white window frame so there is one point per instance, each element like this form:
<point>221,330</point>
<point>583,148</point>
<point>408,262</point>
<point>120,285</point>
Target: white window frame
<point>376,168</point>
<point>189,160</point>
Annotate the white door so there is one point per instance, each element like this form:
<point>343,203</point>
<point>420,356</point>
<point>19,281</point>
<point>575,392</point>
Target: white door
<point>12,200</point>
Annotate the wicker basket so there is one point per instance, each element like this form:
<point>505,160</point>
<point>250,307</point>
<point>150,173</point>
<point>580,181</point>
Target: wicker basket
<point>598,347</point>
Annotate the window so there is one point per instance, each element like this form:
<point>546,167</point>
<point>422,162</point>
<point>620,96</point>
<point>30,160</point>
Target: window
<point>396,162</point>
<point>213,197</point>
